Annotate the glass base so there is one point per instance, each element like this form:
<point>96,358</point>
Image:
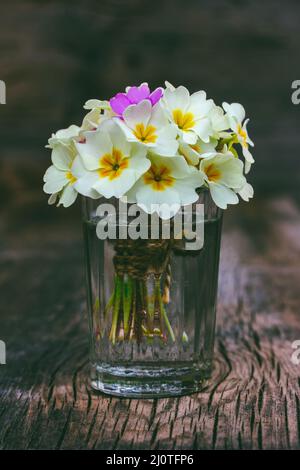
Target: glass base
<point>149,381</point>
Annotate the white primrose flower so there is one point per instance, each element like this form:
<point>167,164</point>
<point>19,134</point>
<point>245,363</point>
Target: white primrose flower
<point>99,111</point>
<point>189,113</point>
<point>148,125</point>
<point>223,174</point>
<point>166,186</point>
<point>236,115</point>
<point>64,137</point>
<point>61,178</point>
<point>112,163</point>
<point>219,122</point>
<point>194,152</point>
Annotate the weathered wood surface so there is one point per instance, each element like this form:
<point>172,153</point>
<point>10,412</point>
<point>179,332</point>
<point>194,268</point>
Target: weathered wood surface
<point>253,398</point>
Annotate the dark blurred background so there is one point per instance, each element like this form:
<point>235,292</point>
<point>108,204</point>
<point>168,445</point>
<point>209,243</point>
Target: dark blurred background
<point>56,55</point>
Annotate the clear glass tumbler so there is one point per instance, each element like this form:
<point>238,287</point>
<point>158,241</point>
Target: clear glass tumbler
<point>151,309</point>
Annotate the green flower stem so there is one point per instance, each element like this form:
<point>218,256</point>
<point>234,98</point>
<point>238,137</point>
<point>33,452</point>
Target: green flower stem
<point>109,304</point>
<point>167,322</point>
<point>116,308</point>
<point>127,302</point>
<point>133,310</point>
<point>162,310</point>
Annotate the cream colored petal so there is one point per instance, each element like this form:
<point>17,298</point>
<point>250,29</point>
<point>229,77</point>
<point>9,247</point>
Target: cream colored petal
<point>138,114</point>
<point>116,135</point>
<point>68,196</point>
<point>55,180</point>
<point>222,196</point>
<point>61,157</point>
<point>97,144</point>
<point>179,98</point>
<point>235,110</point>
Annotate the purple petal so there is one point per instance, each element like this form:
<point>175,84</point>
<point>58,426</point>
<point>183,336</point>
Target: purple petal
<point>156,95</point>
<point>136,94</point>
<point>119,103</point>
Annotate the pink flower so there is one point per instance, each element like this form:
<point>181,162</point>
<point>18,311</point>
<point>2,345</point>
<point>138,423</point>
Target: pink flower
<point>134,95</point>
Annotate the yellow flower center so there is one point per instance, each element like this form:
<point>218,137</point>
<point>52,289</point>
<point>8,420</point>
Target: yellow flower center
<point>159,177</point>
<point>112,165</point>
<point>71,177</point>
<point>145,134</point>
<point>212,173</point>
<point>243,134</point>
<point>184,121</point>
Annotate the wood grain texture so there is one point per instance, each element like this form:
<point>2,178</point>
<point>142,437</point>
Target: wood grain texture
<point>252,400</point>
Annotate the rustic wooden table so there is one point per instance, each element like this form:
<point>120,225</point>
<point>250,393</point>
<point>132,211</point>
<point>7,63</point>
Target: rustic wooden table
<point>253,398</point>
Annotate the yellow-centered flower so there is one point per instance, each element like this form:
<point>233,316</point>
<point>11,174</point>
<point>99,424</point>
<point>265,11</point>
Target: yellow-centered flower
<point>145,134</point>
<point>185,121</point>
<point>71,177</point>
<point>159,177</point>
<point>212,172</point>
<point>243,134</point>
<point>112,165</point>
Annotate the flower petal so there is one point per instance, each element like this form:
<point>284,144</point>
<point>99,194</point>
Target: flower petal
<point>203,129</point>
<point>68,196</point>
<point>55,180</point>
<point>179,98</point>
<point>119,103</point>
<point>156,95</point>
<point>235,110</point>
<point>84,184</point>
<point>222,195</point>
<point>97,144</point>
<point>61,157</point>
<point>136,94</point>
<point>138,114</point>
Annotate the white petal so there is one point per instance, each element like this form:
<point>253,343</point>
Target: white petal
<point>61,157</point>
<point>129,135</point>
<point>203,129</point>
<point>199,105</point>
<point>97,144</point>
<point>138,114</point>
<point>248,156</point>
<point>166,203</point>
<point>64,136</point>
<point>186,189</point>
<point>94,103</point>
<point>189,137</point>
<point>191,156</point>
<point>68,196</point>
<point>77,168</point>
<point>249,141</point>
<point>55,180</point>
<point>220,121</point>
<point>232,171</point>
<point>235,110</point>
<point>169,85</point>
<point>177,99</point>
<point>84,184</point>
<point>166,143</point>
<point>158,117</point>
<point>222,195</point>
<point>246,192</point>
<point>116,135</point>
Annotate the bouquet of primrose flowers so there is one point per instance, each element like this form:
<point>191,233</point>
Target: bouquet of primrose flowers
<point>156,148</point>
